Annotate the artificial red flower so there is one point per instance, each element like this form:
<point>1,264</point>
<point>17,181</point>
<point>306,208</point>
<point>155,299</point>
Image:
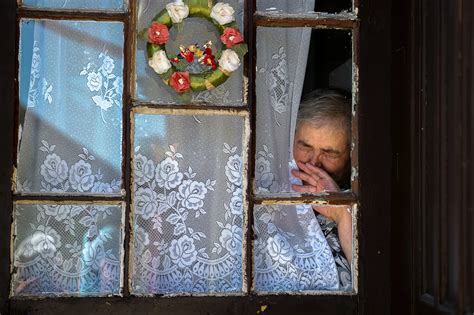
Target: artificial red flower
<point>180,81</point>
<point>188,55</point>
<point>158,33</point>
<point>210,60</point>
<point>208,51</point>
<point>174,60</point>
<point>231,37</point>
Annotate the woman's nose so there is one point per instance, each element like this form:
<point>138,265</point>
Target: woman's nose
<point>316,159</point>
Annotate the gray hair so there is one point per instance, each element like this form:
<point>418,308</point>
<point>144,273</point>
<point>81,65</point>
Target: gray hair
<point>323,106</point>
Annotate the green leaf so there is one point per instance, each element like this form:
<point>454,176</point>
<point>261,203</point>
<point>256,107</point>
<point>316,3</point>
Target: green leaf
<point>167,74</point>
<point>240,49</point>
<point>185,97</point>
<point>181,65</point>
<point>143,34</point>
<point>152,48</point>
<point>231,24</point>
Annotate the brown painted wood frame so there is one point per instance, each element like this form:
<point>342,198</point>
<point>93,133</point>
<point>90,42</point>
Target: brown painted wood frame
<point>433,204</point>
<point>372,55</point>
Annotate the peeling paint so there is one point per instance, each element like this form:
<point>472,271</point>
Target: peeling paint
<point>69,202</point>
<point>294,202</point>
<point>246,90</point>
<point>13,179</point>
<point>122,255</point>
<point>355,249</point>
<point>13,234</point>
<point>343,15</point>
<point>132,203</point>
<point>144,109</point>
<point>355,85</point>
<point>354,173</point>
<point>247,211</point>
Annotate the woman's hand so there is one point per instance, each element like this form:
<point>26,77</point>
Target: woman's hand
<point>343,219</point>
<point>314,179</point>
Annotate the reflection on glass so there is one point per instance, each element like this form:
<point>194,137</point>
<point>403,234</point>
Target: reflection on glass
<point>296,250</point>
<point>76,4</point>
<point>70,107</point>
<point>188,204</point>
<point>303,6</point>
<point>192,31</point>
<point>66,249</point>
<point>290,138</point>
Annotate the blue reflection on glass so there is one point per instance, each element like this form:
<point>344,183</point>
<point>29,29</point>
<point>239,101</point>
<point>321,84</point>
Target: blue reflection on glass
<point>70,106</point>
<point>76,4</point>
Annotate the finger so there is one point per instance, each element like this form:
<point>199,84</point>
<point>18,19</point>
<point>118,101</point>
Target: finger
<point>305,188</point>
<point>303,167</point>
<point>305,177</point>
<point>317,171</point>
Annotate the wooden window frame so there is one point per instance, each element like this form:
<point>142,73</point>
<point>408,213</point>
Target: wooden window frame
<point>372,189</point>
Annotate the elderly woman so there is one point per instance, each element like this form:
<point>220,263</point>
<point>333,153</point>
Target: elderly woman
<point>321,151</point>
<point>294,249</point>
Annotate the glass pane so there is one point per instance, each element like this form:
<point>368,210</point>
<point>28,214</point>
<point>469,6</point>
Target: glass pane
<point>66,249</point>
<point>304,6</point>
<point>188,204</point>
<point>296,250</point>
<point>192,35</point>
<point>76,4</point>
<point>294,64</point>
<point>70,107</point>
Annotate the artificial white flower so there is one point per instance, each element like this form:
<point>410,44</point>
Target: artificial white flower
<point>177,11</point>
<point>229,60</point>
<point>223,13</point>
<point>159,62</point>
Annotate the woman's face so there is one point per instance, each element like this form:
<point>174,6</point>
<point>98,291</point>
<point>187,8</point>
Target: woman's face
<point>325,147</point>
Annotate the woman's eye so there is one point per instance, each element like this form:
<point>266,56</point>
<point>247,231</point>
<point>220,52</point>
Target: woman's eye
<point>304,147</point>
<point>332,156</point>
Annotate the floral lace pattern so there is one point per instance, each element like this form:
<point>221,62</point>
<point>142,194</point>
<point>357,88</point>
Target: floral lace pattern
<point>34,89</point>
<point>77,4</point>
<point>291,253</point>
<point>79,177</point>
<point>102,82</point>
<point>178,248</point>
<point>277,82</point>
<point>66,249</point>
<point>70,138</point>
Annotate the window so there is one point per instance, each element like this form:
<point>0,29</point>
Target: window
<point>95,192</point>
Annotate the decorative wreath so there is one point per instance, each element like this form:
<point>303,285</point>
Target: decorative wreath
<point>216,66</point>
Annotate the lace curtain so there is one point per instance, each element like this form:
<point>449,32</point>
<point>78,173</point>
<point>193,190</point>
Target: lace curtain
<point>77,4</point>
<point>70,107</point>
<point>188,205</point>
<point>291,252</point>
<point>70,143</point>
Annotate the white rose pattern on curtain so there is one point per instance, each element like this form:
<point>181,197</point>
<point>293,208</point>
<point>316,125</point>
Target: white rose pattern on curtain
<point>77,4</point>
<point>55,136</point>
<point>188,213</point>
<point>68,144</point>
<point>64,249</point>
<point>185,266</point>
<point>290,250</point>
